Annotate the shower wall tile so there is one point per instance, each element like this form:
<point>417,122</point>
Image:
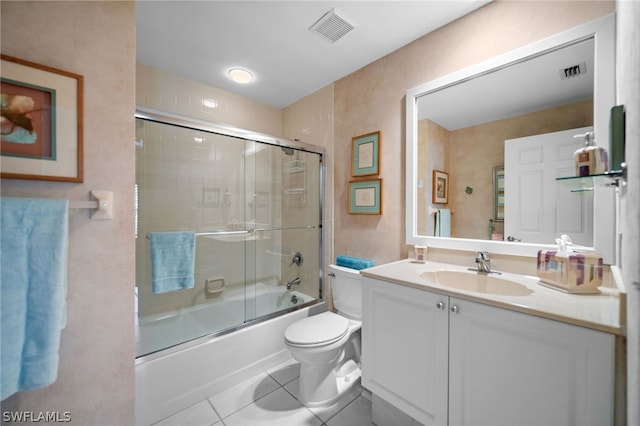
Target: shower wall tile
<point>169,92</point>
<point>311,120</point>
<point>186,167</point>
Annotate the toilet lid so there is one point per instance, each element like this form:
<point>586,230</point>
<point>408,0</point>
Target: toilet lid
<point>317,330</point>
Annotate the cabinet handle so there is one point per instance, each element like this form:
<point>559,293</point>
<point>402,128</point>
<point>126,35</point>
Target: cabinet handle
<point>455,309</point>
<point>440,306</point>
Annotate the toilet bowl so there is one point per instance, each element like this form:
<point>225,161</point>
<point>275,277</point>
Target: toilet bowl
<point>327,345</point>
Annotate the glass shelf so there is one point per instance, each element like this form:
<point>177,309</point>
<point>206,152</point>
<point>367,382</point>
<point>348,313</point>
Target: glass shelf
<point>587,183</point>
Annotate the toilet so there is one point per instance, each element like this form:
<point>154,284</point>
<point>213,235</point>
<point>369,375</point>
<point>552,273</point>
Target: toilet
<point>327,345</point>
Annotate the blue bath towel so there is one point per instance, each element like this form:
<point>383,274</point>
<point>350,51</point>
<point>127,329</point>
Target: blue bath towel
<point>353,262</point>
<point>443,223</point>
<point>35,234</point>
<point>172,260</point>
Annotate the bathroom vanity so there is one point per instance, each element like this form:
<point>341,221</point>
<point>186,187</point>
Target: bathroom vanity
<point>446,345</point>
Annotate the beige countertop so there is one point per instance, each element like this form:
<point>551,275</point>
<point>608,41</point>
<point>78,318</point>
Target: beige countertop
<point>604,312</point>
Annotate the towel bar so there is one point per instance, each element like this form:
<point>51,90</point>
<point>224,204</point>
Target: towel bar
<point>433,210</point>
<point>102,205</point>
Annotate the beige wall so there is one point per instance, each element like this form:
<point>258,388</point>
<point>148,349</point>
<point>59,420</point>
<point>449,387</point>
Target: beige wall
<point>433,151</point>
<point>95,381</point>
<point>373,99</point>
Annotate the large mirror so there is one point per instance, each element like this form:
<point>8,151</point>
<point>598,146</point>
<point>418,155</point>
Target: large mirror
<point>469,124</point>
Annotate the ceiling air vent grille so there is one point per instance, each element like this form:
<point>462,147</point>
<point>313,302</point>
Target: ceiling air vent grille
<point>332,26</point>
<point>573,71</point>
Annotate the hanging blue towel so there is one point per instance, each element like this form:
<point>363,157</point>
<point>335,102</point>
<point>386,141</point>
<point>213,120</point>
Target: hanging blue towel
<point>443,223</point>
<point>353,262</point>
<point>172,260</point>
<point>35,234</point>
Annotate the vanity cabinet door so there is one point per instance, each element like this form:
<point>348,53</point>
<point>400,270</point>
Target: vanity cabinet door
<point>508,368</point>
<point>405,349</point>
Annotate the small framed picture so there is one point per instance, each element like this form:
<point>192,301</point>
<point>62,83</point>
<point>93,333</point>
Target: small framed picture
<point>41,122</point>
<point>440,187</point>
<point>366,155</point>
<point>365,196</point>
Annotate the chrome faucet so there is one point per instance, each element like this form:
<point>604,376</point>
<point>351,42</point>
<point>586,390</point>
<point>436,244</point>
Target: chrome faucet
<point>483,262</point>
<point>295,281</point>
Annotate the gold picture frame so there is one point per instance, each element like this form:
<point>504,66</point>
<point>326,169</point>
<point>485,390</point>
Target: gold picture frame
<point>440,187</point>
<point>42,122</point>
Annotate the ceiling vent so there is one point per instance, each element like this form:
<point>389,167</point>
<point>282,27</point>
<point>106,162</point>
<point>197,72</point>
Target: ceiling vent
<point>573,71</point>
<point>332,26</point>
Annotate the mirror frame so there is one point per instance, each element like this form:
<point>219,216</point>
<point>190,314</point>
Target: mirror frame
<point>602,31</point>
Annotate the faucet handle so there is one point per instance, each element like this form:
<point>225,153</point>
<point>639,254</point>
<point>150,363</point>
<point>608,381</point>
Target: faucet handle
<point>482,255</point>
<point>297,259</point>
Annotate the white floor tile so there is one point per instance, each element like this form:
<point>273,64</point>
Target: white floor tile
<point>242,394</point>
<point>197,415</point>
<point>278,408</point>
<point>328,412</point>
<point>285,372</point>
<point>293,386</point>
<point>358,413</point>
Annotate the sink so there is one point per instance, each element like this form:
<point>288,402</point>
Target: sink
<point>479,283</point>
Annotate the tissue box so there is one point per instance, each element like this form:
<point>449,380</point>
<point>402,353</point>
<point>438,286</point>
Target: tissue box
<point>570,272</point>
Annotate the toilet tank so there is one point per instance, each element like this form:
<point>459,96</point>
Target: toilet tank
<point>346,286</point>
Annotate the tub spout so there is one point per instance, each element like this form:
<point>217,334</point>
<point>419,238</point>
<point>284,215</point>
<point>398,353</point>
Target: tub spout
<point>295,281</point>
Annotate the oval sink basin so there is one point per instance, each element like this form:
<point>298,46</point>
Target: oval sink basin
<point>479,283</point>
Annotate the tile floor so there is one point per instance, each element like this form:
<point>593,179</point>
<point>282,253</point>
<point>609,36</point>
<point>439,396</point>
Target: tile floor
<point>270,399</point>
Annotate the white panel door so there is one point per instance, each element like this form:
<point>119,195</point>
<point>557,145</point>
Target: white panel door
<point>405,349</point>
<point>538,209</point>
<point>508,368</point>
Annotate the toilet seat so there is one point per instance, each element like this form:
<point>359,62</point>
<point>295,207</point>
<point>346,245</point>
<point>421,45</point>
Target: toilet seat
<point>317,330</point>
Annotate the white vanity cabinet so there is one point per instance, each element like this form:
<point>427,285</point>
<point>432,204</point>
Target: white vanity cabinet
<point>405,351</point>
<point>445,360</point>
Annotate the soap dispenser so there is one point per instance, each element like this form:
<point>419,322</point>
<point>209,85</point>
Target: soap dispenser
<point>590,159</point>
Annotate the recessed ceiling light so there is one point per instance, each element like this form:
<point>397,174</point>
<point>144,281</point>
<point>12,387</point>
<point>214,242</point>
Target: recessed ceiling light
<point>240,75</point>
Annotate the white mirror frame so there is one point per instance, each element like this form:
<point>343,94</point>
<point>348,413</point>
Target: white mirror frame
<point>603,32</point>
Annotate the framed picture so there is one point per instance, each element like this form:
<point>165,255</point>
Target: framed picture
<point>366,155</point>
<point>41,122</point>
<point>440,187</point>
<point>365,196</point>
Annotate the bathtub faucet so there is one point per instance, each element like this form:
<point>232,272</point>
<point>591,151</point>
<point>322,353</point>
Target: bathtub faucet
<point>295,281</point>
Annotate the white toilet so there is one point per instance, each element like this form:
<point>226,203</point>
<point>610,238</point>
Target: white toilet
<point>327,345</point>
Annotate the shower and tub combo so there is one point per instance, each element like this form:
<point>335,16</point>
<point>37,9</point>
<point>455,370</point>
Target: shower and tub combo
<point>254,205</point>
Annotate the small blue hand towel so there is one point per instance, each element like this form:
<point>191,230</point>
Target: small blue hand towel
<point>35,234</point>
<point>443,223</point>
<point>172,260</point>
<point>353,262</point>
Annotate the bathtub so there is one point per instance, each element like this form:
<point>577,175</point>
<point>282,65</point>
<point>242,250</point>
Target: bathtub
<point>158,332</point>
<point>175,378</point>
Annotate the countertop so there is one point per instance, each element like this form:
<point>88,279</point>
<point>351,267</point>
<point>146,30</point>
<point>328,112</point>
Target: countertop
<point>604,312</point>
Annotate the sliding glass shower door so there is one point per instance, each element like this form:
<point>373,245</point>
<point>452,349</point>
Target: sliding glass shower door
<point>255,208</point>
